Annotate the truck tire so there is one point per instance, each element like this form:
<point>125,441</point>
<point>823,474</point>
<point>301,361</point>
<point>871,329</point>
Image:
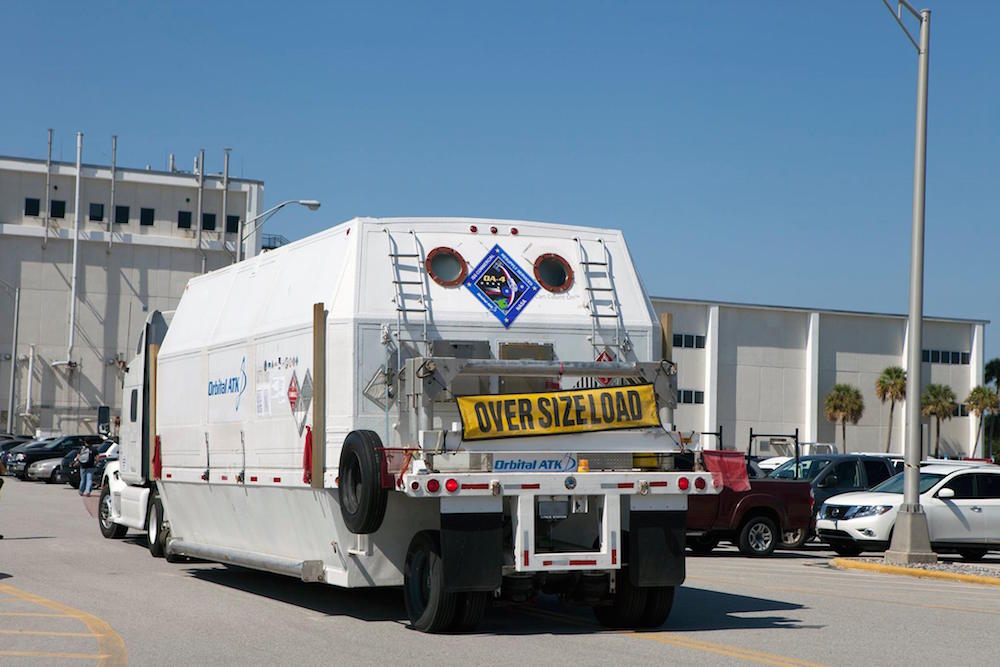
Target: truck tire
<point>628,604</point>
<point>659,602</point>
<point>758,537</point>
<point>109,528</point>
<point>429,607</point>
<point>155,535</point>
<point>469,610</point>
<point>702,544</point>
<point>362,498</point>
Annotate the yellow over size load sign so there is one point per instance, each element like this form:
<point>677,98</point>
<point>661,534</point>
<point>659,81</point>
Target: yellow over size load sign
<point>553,413</point>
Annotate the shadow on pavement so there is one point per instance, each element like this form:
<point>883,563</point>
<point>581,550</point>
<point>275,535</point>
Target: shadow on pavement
<point>694,608</point>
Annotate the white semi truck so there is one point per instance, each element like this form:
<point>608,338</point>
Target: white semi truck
<point>468,408</point>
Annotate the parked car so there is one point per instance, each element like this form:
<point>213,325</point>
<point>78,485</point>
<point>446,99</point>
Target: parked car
<point>832,474</point>
<point>10,443</point>
<point>46,469</point>
<point>757,521</point>
<point>18,464</point>
<point>71,466</point>
<point>961,502</point>
<point>8,456</point>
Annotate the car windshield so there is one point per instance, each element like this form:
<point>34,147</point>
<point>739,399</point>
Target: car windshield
<point>895,483</point>
<point>807,469</point>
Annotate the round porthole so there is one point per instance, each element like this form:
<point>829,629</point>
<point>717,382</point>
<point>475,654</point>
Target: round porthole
<point>446,266</point>
<point>553,273</point>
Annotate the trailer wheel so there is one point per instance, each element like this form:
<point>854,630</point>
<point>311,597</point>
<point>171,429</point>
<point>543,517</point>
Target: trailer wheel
<point>628,603</point>
<point>758,537</point>
<point>659,602</point>
<point>362,498</point>
<point>429,607</point>
<point>109,528</point>
<point>469,610</point>
<point>155,535</point>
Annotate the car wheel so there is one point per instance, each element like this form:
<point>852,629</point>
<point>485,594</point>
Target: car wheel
<point>758,537</point>
<point>794,539</point>
<point>847,550</point>
<point>972,553</point>
<point>109,528</point>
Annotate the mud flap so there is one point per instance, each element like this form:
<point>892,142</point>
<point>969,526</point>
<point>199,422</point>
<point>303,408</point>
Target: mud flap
<point>656,547</point>
<point>472,551</point>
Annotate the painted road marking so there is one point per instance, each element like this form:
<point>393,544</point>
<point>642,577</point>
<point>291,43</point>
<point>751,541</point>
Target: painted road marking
<point>110,645</point>
<point>33,613</point>
<point>47,633</point>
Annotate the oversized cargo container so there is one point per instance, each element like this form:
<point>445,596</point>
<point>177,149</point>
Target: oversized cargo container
<point>464,407</point>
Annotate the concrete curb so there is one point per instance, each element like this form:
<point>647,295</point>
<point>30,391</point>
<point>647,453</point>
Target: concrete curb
<point>849,564</point>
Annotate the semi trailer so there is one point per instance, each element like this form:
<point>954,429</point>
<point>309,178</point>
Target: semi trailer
<point>470,409</point>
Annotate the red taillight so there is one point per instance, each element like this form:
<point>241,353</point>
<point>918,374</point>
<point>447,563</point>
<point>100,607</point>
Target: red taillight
<point>473,229</point>
<point>433,485</point>
<point>451,485</point>
<point>415,485</point>
<point>699,483</point>
<point>493,230</point>
<point>513,230</point>
<point>683,484</point>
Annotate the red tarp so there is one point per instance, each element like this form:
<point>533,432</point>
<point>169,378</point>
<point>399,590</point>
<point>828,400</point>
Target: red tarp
<point>728,467</point>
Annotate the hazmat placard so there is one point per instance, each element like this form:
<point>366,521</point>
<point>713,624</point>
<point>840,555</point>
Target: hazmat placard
<point>552,413</point>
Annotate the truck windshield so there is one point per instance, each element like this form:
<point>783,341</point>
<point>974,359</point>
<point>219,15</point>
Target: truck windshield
<point>807,469</point>
<point>895,484</point>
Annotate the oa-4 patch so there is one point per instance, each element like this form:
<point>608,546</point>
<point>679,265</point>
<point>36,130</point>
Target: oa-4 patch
<point>501,285</point>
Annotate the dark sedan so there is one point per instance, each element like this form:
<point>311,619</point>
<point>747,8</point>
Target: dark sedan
<point>18,464</point>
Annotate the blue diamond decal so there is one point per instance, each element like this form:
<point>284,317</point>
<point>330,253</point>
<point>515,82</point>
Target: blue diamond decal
<point>501,285</point>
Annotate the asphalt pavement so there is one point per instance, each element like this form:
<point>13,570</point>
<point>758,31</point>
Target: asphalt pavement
<point>69,596</point>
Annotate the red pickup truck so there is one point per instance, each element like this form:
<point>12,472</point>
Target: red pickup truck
<point>771,513</point>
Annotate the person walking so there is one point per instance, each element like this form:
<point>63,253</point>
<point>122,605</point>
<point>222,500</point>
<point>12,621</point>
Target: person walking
<point>88,460</point>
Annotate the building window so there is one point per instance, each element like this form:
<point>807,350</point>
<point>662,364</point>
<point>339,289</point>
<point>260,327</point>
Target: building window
<point>96,213</point>
<point>688,340</point>
<point>965,358</point>
<point>956,358</point>
<point>184,219</point>
<point>699,397</point>
<point>208,221</point>
<point>58,208</point>
<point>32,206</point>
<point>699,342</point>
<point>232,224</point>
<point>925,356</point>
<point>121,215</point>
<point>146,217</point>
<point>678,340</point>
<point>688,396</point>
<point>935,357</point>
<point>961,410</point>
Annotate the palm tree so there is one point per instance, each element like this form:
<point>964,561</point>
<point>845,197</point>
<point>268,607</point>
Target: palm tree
<point>891,386</point>
<point>844,404</point>
<point>938,400</point>
<point>980,401</point>
<point>992,372</point>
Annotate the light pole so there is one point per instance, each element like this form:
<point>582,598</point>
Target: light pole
<point>257,222</point>
<point>16,291</point>
<point>910,538</point>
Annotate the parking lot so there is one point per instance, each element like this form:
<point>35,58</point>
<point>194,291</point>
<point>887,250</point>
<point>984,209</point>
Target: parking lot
<point>67,595</point>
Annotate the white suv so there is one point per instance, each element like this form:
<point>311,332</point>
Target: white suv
<point>961,500</point>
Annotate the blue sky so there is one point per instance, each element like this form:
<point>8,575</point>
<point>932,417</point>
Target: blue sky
<point>751,152</point>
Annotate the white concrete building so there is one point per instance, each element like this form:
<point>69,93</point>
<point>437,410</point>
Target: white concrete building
<point>135,244</point>
<point>743,366</point>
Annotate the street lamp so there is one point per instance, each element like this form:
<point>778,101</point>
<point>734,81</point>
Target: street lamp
<point>258,221</point>
<point>16,291</point>
<point>911,541</point>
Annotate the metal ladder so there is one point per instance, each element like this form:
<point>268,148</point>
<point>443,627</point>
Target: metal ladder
<point>404,276</point>
<point>602,300</point>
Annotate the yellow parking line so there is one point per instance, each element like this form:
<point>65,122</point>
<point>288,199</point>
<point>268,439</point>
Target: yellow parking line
<point>848,564</point>
<point>33,613</point>
<point>46,633</point>
<point>110,645</point>
<point>727,650</point>
<point>46,654</point>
